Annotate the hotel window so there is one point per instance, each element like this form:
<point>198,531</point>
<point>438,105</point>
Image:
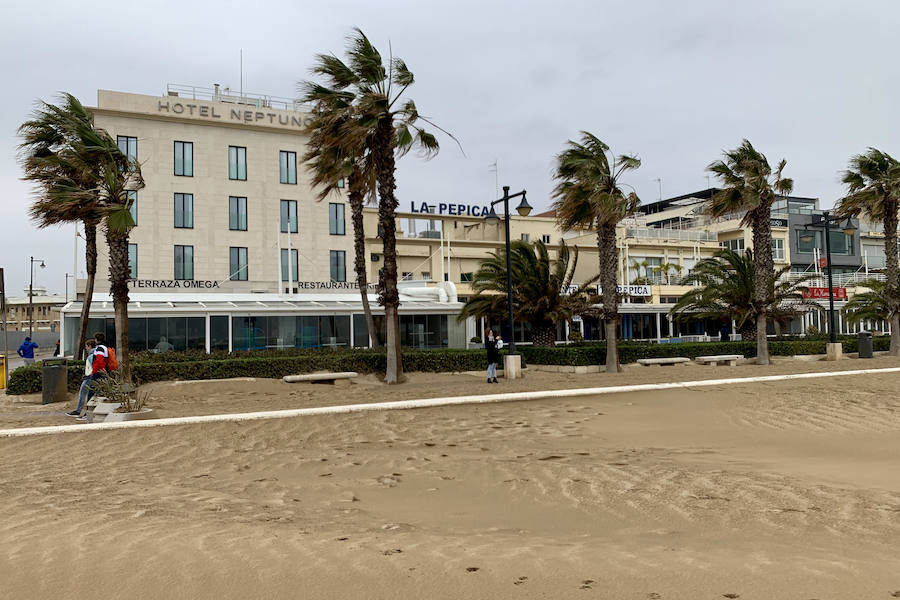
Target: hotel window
<point>237,213</point>
<point>339,265</point>
<point>131,196</point>
<point>288,162</point>
<point>336,219</point>
<point>525,237</point>
<point>184,159</point>
<point>340,183</point>
<point>237,264</point>
<point>184,211</point>
<point>288,216</point>
<point>237,163</point>
<point>128,146</point>
<point>405,276</point>
<point>426,275</point>
<point>466,277</point>
<point>545,238</point>
<point>132,261</point>
<point>736,245</point>
<point>184,262</point>
<point>778,249</point>
<point>295,271</point>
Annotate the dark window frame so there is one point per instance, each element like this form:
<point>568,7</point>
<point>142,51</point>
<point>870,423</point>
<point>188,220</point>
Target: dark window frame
<point>238,203</point>
<point>184,197</point>
<point>337,226</point>
<point>184,263</point>
<point>295,264</point>
<point>342,274</point>
<point>236,175</point>
<point>293,226</point>
<point>129,139</point>
<point>287,167</point>
<point>243,268</point>
<point>184,163</point>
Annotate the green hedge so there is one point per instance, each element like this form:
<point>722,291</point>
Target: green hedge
<point>595,353</point>
<point>269,364</point>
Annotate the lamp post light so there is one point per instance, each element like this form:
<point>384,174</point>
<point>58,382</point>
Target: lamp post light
<point>524,209</point>
<point>72,275</point>
<point>31,295</point>
<point>826,220</point>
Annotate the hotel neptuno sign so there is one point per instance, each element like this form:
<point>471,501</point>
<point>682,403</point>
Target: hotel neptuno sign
<point>234,114</point>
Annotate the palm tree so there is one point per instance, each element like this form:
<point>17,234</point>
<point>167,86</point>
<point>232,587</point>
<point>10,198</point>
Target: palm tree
<point>49,159</point>
<point>332,156</point>
<point>388,122</point>
<point>542,289</point>
<point>750,186</point>
<point>872,305</point>
<point>725,287</point>
<point>873,187</point>
<point>589,195</point>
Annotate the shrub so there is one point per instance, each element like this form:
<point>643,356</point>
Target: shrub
<point>267,364</point>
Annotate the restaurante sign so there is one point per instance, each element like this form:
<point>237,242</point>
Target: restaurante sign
<point>821,293</point>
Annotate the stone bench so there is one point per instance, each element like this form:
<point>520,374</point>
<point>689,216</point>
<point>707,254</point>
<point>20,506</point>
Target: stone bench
<point>319,377</point>
<point>728,359</point>
<point>672,360</point>
<point>98,408</point>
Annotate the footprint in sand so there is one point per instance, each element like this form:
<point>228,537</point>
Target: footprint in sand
<point>586,584</point>
<point>472,569</point>
<point>731,595</point>
<point>654,596</point>
<point>520,581</point>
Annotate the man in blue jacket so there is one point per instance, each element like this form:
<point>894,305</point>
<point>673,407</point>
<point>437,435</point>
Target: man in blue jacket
<point>26,350</point>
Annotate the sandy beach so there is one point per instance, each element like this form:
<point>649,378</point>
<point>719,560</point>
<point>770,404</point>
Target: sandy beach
<point>787,489</point>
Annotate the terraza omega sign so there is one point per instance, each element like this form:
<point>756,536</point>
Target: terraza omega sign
<point>239,115</point>
<point>172,283</point>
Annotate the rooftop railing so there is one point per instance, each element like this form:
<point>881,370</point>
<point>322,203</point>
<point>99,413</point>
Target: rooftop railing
<point>685,235</point>
<point>229,96</point>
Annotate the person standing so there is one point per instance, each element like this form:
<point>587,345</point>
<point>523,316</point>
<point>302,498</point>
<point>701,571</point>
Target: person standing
<point>26,350</point>
<point>493,355</point>
<point>85,388</point>
<point>56,350</point>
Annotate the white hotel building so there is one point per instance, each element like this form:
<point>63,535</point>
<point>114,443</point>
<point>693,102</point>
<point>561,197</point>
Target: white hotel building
<point>231,249</point>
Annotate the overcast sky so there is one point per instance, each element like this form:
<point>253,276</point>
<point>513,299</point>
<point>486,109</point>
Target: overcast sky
<point>674,82</point>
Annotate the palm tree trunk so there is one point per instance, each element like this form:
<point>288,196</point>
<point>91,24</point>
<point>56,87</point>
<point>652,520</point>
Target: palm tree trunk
<point>892,277</point>
<point>90,261</point>
<point>118,284</point>
<point>544,335</point>
<point>359,247</point>
<point>763,278</point>
<point>387,208</point>
<point>608,257</point>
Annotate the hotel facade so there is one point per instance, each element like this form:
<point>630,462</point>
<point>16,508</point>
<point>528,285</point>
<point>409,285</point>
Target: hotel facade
<point>232,250</point>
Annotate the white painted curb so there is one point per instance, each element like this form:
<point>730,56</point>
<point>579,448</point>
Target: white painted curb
<point>426,403</point>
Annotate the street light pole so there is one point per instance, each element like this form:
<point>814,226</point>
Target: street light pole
<point>832,332</point>
<point>31,295</point>
<point>524,209</point>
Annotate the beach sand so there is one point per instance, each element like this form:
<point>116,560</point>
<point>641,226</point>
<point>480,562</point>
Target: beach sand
<point>787,489</point>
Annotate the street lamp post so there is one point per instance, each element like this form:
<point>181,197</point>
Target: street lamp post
<point>68,275</point>
<point>31,295</point>
<point>524,209</point>
<point>826,220</point>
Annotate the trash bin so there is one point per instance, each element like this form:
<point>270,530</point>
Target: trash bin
<point>55,375</point>
<point>865,344</point>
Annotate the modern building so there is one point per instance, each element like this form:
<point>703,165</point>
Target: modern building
<point>229,235</point>
<point>45,310</point>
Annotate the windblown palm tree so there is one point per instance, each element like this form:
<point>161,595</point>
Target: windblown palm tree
<point>873,186</point>
<point>725,287</point>
<point>389,123</point>
<point>542,289</point>
<point>50,159</point>
<point>750,186</point>
<point>588,194</point>
<point>872,305</point>
<point>334,154</point>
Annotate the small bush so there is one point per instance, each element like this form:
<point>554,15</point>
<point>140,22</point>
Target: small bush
<point>169,366</point>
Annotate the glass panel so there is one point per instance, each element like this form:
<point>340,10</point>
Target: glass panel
<point>232,162</point>
<point>189,159</point>
<point>188,262</point>
<point>196,333</point>
<point>132,261</point>
<point>131,196</point>
<point>813,240</point>
<point>137,334</point>
<point>360,332</point>
<point>309,332</point>
<point>179,158</point>
<point>218,333</point>
<point>242,163</point>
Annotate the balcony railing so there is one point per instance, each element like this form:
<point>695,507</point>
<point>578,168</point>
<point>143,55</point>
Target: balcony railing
<point>220,94</point>
<point>839,279</point>
<point>685,235</point>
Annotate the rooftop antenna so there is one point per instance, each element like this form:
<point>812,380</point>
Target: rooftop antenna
<point>659,181</point>
<point>495,168</point>
<point>242,73</point>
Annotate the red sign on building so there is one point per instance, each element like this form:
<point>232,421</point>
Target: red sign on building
<point>820,293</point>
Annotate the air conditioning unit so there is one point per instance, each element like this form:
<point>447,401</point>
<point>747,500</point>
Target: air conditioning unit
<point>376,257</point>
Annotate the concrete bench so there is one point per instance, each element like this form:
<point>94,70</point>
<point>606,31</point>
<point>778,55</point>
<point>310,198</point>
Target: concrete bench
<point>673,360</point>
<point>728,359</point>
<point>99,407</point>
<point>319,377</point>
